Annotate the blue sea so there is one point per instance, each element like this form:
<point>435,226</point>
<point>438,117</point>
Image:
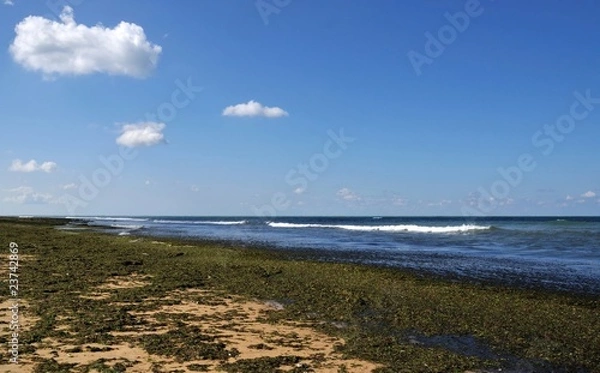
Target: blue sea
<point>558,253</point>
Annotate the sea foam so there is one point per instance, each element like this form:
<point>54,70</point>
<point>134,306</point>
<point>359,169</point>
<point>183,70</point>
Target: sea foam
<point>387,228</point>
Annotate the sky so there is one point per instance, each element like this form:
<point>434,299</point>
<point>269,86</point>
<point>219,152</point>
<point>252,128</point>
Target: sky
<point>288,107</point>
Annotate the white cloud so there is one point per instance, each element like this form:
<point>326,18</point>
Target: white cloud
<point>254,109</point>
<point>141,134</point>
<point>348,195</point>
<point>299,190</point>
<point>147,182</point>
<point>67,48</point>
<point>26,195</point>
<point>9,2</point>
<point>69,186</point>
<point>194,189</point>
<point>31,166</point>
<point>397,201</point>
<point>569,198</point>
<point>589,194</point>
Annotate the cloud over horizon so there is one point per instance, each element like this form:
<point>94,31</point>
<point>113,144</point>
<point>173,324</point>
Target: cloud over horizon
<point>32,166</point>
<point>141,134</point>
<point>26,195</point>
<point>348,195</point>
<point>254,109</point>
<point>67,48</point>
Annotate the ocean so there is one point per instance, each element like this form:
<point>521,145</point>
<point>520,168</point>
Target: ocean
<point>557,253</point>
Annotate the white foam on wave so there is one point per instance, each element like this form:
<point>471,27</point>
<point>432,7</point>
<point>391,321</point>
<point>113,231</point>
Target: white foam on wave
<point>387,228</point>
<point>239,222</point>
<point>105,218</point>
<point>127,226</point>
<point>120,219</point>
<point>224,222</point>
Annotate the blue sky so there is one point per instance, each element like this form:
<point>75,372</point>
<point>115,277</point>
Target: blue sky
<point>294,107</point>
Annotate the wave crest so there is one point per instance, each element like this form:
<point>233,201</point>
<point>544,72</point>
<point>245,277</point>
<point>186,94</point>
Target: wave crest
<point>387,228</point>
<point>127,226</point>
<point>207,222</point>
<point>105,218</point>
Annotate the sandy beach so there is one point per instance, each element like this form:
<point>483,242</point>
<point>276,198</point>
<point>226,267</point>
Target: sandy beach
<point>91,302</point>
<point>236,328</point>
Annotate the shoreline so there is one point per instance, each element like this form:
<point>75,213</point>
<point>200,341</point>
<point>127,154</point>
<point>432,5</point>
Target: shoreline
<point>389,318</point>
<point>571,285</point>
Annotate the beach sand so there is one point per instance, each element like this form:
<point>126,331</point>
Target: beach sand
<point>239,324</point>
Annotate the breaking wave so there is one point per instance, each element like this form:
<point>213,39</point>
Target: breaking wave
<point>207,222</point>
<point>105,218</point>
<point>388,228</point>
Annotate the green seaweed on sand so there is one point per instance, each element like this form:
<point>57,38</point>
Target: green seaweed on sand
<point>186,344</point>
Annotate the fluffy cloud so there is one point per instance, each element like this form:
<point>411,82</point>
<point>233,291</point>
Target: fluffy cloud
<point>26,195</point>
<point>348,195</point>
<point>31,166</point>
<point>254,109</point>
<point>589,194</point>
<point>8,2</point>
<point>141,134</point>
<point>68,48</point>
<point>69,186</point>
